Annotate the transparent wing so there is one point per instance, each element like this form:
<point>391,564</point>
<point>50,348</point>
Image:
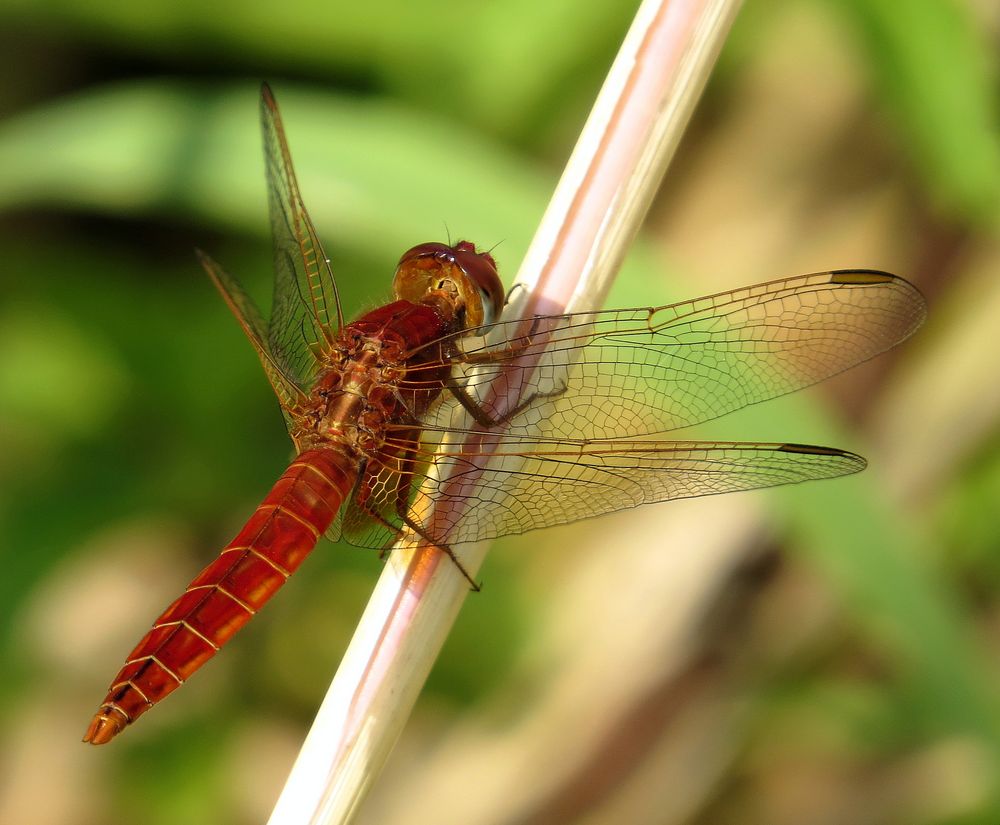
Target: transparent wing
<point>627,373</point>
<point>305,313</point>
<point>246,312</point>
<point>499,488</point>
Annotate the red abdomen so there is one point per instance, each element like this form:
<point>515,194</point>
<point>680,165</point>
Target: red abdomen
<point>227,593</point>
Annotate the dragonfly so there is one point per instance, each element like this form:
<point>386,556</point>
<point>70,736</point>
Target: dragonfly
<point>433,421</point>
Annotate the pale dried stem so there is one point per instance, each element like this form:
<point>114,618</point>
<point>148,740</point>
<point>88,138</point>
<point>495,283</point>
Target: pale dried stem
<point>604,193</point>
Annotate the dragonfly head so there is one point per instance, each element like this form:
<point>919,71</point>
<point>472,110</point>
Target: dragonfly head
<point>459,270</point>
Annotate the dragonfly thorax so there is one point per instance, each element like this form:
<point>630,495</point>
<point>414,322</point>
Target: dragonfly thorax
<point>354,399</point>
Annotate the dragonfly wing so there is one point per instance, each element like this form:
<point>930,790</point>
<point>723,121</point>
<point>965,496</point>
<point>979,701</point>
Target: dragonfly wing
<point>386,489</point>
<point>371,518</point>
<point>305,312</point>
<point>484,493</point>
<point>246,312</point>
<point>628,373</point>
<point>336,529</point>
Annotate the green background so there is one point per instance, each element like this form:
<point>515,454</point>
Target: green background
<point>136,430</point>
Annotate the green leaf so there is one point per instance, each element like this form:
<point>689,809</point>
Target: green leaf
<point>934,68</point>
<point>376,176</point>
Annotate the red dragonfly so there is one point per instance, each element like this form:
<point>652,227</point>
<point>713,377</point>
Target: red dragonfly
<point>546,418</point>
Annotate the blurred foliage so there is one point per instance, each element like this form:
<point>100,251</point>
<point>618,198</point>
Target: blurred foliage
<point>968,520</point>
<point>939,77</point>
<point>127,396</point>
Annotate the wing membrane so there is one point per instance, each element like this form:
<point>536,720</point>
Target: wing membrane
<point>628,373</point>
<point>305,312</point>
<point>484,493</point>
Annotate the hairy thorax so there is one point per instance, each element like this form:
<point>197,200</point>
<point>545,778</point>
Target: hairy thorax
<point>355,396</point>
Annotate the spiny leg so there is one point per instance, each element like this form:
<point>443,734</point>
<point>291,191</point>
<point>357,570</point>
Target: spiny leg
<point>492,356</point>
<point>403,487</point>
<point>483,418</point>
<point>501,353</point>
<point>404,481</point>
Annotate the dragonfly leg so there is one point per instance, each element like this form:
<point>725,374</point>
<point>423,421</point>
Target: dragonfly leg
<point>444,548</point>
<point>500,353</point>
<point>482,417</point>
<point>512,290</point>
<point>403,512</point>
<point>362,500</point>
<point>401,494</point>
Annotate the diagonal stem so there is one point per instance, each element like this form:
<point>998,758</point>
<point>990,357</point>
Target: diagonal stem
<point>608,184</point>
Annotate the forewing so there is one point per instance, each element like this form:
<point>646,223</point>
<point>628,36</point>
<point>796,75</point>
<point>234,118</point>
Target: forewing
<point>628,373</point>
<point>494,491</point>
<point>305,312</point>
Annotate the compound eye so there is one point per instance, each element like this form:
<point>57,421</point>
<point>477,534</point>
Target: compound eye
<point>426,250</point>
<point>482,271</point>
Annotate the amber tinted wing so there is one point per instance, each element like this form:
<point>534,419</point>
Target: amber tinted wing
<point>609,376</point>
<point>305,312</point>
<point>627,373</point>
<point>386,488</point>
<point>499,488</point>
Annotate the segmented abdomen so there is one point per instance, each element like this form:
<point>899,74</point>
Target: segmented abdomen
<point>227,593</point>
